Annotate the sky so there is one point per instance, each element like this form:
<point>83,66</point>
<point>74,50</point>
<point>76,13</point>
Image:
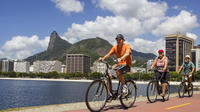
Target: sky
<point>25,25</point>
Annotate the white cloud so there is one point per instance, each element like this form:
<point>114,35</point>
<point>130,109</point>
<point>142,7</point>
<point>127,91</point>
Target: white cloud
<point>106,28</point>
<point>20,47</point>
<point>141,9</point>
<point>176,7</point>
<point>183,22</point>
<point>133,18</point>
<point>69,6</point>
<point>69,39</point>
<point>192,35</point>
<point>147,46</point>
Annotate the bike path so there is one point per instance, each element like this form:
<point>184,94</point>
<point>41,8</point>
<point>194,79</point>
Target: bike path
<point>174,104</point>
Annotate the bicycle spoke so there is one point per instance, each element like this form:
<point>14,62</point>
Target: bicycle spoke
<point>96,96</point>
<point>128,101</point>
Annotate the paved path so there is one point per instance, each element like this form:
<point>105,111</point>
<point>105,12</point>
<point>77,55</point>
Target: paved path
<point>175,104</point>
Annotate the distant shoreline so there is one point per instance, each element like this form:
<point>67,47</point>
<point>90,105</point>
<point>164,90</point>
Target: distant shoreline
<point>85,80</point>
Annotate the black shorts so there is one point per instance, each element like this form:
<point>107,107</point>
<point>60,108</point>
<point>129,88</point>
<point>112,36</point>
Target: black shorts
<point>122,69</point>
<point>162,78</point>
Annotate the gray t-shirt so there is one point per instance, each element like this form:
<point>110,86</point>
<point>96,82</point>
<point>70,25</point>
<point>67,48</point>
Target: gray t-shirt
<point>187,67</point>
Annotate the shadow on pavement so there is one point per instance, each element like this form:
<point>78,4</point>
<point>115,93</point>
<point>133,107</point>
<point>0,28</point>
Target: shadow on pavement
<point>116,107</point>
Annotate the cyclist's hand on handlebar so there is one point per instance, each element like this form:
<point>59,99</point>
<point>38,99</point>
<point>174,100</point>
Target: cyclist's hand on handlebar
<point>100,59</point>
<point>119,59</point>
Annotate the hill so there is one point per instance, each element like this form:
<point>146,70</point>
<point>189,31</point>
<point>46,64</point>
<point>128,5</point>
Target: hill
<point>93,47</point>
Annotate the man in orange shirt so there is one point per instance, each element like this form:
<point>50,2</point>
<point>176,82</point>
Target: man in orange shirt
<point>124,58</point>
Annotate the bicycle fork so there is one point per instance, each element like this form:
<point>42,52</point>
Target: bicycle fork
<point>99,89</point>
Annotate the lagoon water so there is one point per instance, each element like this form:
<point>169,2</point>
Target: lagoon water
<point>25,93</point>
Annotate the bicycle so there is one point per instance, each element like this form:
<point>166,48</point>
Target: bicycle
<point>185,87</point>
<point>97,92</point>
<point>154,89</point>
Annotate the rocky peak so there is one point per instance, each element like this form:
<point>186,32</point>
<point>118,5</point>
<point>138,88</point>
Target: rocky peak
<point>53,38</point>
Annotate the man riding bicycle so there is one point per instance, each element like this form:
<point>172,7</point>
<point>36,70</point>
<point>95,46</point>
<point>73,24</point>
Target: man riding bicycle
<point>188,68</point>
<point>161,63</point>
<point>124,59</point>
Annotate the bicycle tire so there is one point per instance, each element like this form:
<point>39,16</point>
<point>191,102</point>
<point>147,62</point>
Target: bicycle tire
<point>167,92</point>
<point>182,89</point>
<point>190,91</point>
<point>128,101</point>
<point>153,87</point>
<point>99,90</point>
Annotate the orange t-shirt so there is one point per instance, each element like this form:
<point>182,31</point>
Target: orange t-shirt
<point>119,53</point>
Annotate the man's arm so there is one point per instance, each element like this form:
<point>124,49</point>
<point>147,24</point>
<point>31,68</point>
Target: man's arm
<point>124,56</point>
<point>193,68</point>
<point>180,69</point>
<point>128,51</point>
<point>109,54</point>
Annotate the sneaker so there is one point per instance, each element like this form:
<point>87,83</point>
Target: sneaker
<point>109,98</point>
<point>124,91</point>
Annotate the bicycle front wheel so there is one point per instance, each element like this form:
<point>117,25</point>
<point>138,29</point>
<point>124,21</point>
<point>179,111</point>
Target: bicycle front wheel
<point>190,90</point>
<point>152,91</point>
<point>128,100</point>
<point>182,89</point>
<point>96,96</point>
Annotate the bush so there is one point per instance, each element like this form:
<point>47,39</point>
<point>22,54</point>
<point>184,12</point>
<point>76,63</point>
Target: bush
<point>172,76</point>
<point>95,75</point>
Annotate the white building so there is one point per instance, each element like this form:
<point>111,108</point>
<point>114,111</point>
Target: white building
<point>138,70</point>
<point>46,66</point>
<point>196,58</point>
<point>149,63</point>
<point>21,66</point>
<point>99,67</point>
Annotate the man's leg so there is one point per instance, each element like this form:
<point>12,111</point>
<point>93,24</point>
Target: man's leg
<point>120,77</point>
<point>124,87</point>
<point>190,80</point>
<point>109,84</point>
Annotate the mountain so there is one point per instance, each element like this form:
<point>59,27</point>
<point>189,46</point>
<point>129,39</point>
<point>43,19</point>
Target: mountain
<point>93,47</point>
<point>56,49</point>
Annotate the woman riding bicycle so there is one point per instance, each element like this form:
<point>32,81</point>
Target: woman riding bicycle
<point>124,59</point>
<point>161,63</point>
<point>188,68</point>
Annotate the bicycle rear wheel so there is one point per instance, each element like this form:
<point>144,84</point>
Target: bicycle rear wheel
<point>96,96</point>
<point>182,89</point>
<point>190,91</point>
<point>152,91</point>
<point>128,100</point>
<point>167,92</point>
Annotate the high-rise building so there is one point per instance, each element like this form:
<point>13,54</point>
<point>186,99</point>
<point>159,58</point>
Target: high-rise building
<point>177,47</point>
<point>196,58</point>
<point>21,66</point>
<point>77,63</point>
<point>7,66</point>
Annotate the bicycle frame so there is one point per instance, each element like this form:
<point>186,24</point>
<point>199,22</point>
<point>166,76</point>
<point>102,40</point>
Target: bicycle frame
<point>107,76</point>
